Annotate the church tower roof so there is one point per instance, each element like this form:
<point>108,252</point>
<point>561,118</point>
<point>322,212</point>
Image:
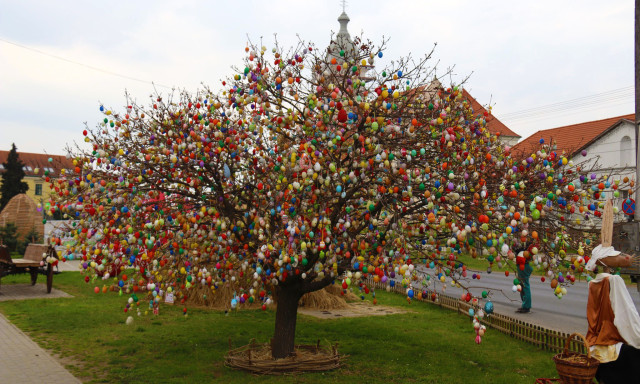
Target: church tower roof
<point>342,40</point>
<point>344,20</point>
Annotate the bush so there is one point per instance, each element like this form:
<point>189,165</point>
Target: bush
<point>31,237</point>
<point>9,236</point>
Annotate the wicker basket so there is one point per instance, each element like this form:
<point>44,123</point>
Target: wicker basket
<point>576,368</point>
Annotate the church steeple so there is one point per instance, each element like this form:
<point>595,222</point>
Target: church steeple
<point>342,41</point>
<point>343,49</point>
<point>343,33</point>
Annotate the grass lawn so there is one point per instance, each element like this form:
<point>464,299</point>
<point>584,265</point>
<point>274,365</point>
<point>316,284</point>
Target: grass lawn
<point>426,345</point>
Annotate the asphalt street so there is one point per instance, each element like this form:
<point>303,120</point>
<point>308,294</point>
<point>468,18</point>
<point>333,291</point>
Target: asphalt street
<point>567,314</point>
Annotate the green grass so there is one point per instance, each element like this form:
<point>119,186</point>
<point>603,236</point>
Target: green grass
<point>425,345</point>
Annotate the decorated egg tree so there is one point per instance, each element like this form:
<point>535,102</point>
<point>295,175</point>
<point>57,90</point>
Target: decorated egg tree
<point>301,172</point>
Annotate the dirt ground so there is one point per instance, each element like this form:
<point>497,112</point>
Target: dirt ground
<point>353,310</point>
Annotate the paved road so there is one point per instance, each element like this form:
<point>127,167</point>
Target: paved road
<point>567,314</point>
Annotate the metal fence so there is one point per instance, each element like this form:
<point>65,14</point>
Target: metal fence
<point>546,339</point>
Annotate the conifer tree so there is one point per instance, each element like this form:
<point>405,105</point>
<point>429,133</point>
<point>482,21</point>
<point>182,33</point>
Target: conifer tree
<point>12,176</point>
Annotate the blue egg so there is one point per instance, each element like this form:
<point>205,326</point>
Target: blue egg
<point>379,54</point>
<point>488,307</point>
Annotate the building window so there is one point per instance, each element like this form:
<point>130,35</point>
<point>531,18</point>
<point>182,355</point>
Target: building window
<point>626,153</point>
<point>38,189</point>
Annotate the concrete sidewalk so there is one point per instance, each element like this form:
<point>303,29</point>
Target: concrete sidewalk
<point>21,359</point>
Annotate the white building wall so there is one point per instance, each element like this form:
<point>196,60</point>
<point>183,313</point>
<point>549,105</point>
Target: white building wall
<point>510,140</point>
<point>615,156</point>
<point>611,148</point>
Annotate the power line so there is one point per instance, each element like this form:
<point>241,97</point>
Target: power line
<point>566,112</point>
<point>561,108</point>
<point>83,65</point>
<point>581,102</point>
<point>579,108</point>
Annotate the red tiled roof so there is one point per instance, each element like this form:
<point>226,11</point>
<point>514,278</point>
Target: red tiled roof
<point>493,124</point>
<point>40,161</point>
<point>570,138</point>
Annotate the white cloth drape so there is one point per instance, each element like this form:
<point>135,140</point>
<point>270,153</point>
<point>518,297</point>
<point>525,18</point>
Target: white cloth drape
<point>626,319</point>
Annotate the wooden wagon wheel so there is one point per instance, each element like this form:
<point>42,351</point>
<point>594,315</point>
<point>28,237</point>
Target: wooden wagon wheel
<point>50,252</point>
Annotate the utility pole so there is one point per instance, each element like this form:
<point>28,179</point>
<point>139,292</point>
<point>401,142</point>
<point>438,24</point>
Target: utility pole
<point>636,57</point>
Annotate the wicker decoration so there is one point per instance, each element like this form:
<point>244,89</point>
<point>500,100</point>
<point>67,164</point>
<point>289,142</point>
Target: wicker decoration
<point>606,231</point>
<point>256,358</point>
<point>22,212</point>
<point>576,368</point>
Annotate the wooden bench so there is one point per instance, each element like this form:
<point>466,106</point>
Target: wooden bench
<point>34,262</point>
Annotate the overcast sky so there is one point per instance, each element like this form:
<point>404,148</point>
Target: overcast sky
<point>541,64</point>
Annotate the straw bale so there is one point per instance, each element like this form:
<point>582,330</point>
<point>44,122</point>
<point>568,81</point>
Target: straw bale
<point>330,297</point>
<point>23,212</point>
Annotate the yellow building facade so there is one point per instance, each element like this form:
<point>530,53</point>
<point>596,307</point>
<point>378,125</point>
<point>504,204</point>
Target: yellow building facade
<point>37,166</point>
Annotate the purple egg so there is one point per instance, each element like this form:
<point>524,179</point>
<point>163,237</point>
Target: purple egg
<point>584,152</point>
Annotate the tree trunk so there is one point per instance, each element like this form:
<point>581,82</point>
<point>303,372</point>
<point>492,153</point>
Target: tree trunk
<point>286,316</point>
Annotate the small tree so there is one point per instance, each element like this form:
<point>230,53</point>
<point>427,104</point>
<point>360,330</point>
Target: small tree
<point>9,236</point>
<point>31,237</point>
<point>12,176</point>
